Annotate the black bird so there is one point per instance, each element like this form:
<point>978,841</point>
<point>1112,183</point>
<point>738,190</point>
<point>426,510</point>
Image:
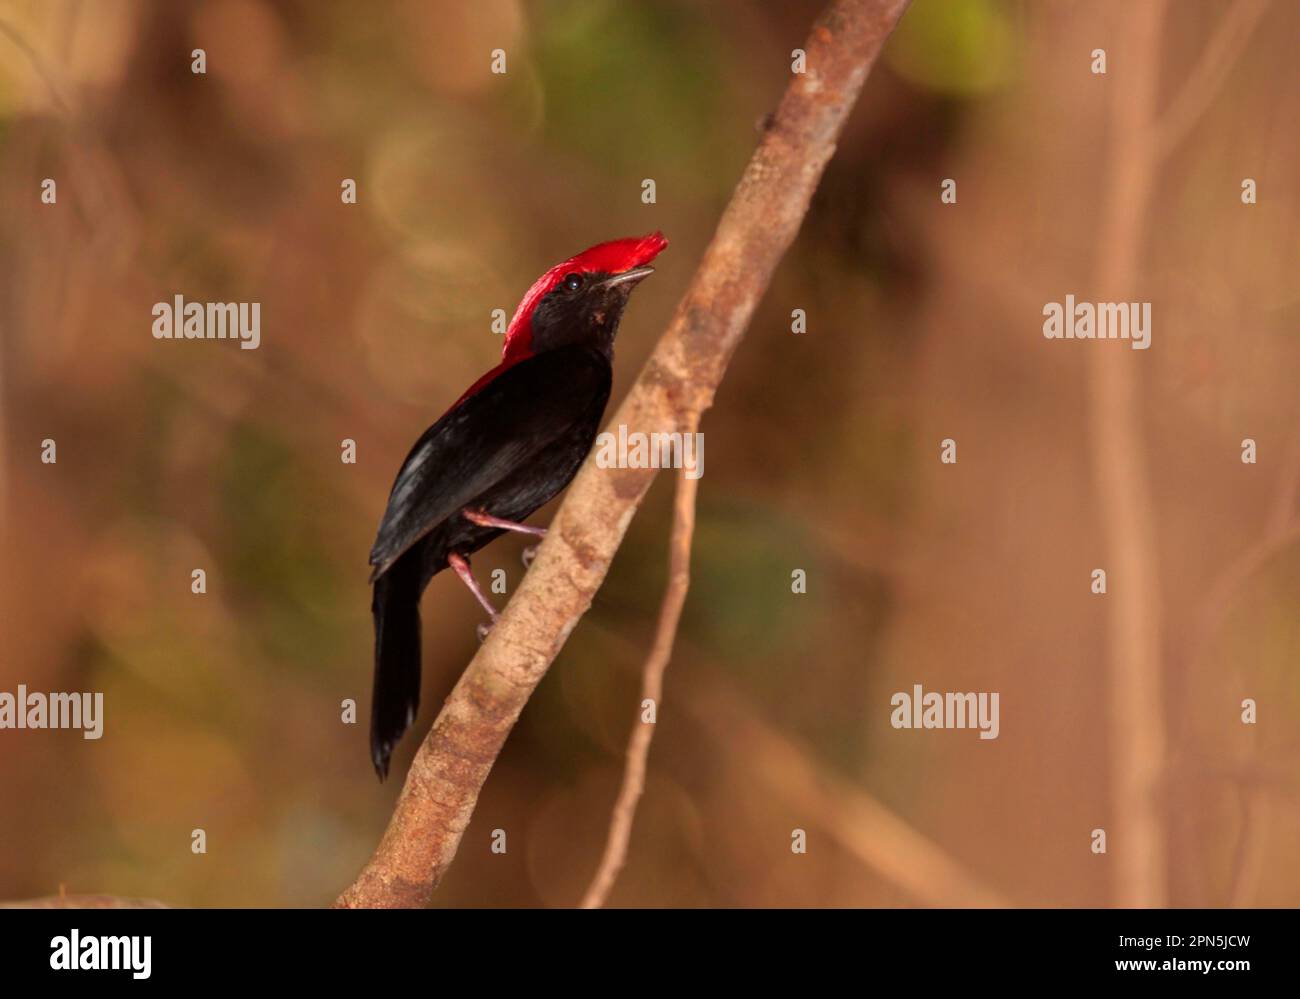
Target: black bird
<point>506,447</point>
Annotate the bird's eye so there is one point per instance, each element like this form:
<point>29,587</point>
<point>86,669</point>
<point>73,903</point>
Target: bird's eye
<point>573,281</point>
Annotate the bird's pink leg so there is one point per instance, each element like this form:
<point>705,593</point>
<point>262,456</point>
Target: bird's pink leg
<point>487,520</point>
<point>461,564</point>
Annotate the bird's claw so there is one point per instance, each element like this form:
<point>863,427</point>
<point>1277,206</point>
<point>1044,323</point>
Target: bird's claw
<point>483,630</point>
<point>528,555</point>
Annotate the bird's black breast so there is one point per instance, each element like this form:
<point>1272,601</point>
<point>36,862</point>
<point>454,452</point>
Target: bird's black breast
<point>507,449</point>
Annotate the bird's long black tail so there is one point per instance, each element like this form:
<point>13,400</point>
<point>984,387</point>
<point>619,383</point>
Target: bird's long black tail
<point>396,606</point>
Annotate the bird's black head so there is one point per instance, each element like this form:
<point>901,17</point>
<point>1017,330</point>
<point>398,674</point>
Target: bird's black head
<point>584,308</point>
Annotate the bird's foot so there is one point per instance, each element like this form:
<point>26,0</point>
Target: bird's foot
<point>485,519</point>
<point>528,555</point>
<point>484,629</point>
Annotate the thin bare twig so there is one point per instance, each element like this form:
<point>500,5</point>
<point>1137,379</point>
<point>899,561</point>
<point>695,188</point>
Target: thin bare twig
<point>869,830</point>
<point>1206,78</point>
<point>675,386</point>
<point>652,690</point>
<point>1135,675</point>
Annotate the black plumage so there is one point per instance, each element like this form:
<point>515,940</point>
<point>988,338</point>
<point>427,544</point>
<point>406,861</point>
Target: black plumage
<point>506,448</point>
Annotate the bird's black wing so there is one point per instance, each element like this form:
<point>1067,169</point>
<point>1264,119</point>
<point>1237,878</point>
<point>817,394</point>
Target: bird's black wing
<point>485,438</point>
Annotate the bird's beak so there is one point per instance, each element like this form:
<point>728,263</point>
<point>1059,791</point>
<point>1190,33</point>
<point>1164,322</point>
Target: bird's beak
<point>629,277</point>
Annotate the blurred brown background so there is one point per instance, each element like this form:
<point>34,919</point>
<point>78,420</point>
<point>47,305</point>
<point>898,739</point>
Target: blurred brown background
<point>222,711</point>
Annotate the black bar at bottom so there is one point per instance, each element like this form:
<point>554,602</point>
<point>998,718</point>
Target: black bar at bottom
<point>433,948</point>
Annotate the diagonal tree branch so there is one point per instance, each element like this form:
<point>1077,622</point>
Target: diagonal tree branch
<point>674,388</point>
